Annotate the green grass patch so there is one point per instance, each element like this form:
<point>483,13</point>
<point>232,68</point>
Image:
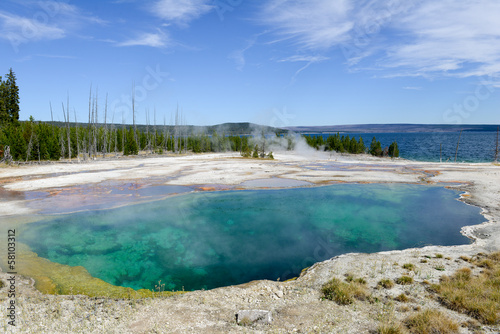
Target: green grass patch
<point>344,293</point>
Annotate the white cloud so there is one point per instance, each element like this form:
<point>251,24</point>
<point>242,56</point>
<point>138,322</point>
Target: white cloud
<point>181,11</point>
<point>156,40</point>
<point>454,37</point>
<point>16,29</point>
<point>404,38</point>
<point>315,24</point>
<point>238,56</point>
<point>309,59</point>
<point>47,20</point>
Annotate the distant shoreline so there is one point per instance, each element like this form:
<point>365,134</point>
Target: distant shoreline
<point>394,128</point>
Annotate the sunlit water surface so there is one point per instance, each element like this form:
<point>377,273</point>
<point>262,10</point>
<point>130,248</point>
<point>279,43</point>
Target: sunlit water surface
<point>212,239</point>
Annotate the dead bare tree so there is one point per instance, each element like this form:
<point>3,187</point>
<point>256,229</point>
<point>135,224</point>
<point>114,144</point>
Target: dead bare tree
<point>95,119</point>
<point>77,130</point>
<point>66,121</point>
<point>133,115</point>
<point>113,133</point>
<point>148,142</point>
<point>154,129</point>
<point>105,127</point>
<point>89,141</point>
<point>30,145</point>
<point>123,130</point>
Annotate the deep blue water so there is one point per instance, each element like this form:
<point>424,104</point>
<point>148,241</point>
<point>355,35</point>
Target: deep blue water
<point>208,240</point>
<point>423,146</point>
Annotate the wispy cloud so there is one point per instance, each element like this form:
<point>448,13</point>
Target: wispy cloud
<point>43,21</point>
<point>403,38</point>
<point>16,28</point>
<point>314,24</point>
<point>458,38</point>
<point>156,40</point>
<point>309,60</point>
<point>181,11</point>
<point>238,56</point>
<point>412,88</point>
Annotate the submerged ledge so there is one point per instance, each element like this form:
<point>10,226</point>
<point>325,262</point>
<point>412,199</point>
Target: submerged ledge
<point>480,181</point>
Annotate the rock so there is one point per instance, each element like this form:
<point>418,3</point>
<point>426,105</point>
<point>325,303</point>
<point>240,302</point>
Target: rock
<point>247,317</point>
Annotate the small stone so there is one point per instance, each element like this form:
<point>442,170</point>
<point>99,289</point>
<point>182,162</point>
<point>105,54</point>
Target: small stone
<point>279,293</point>
<point>247,317</point>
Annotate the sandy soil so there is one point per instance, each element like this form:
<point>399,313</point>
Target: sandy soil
<point>296,306</point>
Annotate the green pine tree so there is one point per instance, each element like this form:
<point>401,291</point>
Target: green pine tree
<point>11,98</point>
<point>4,116</point>
<point>255,153</point>
<point>394,150</point>
<point>130,147</point>
<point>361,145</point>
<point>376,148</point>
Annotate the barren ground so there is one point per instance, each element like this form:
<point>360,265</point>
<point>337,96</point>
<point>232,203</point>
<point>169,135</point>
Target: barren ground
<point>296,306</point>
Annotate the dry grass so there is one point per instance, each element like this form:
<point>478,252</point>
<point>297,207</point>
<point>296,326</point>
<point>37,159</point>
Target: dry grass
<point>431,321</point>
<point>465,258</point>
<point>391,329</point>
<point>386,283</point>
<point>402,298</point>
<point>405,280</point>
<point>344,293</point>
<point>478,296</point>
<point>409,266</point>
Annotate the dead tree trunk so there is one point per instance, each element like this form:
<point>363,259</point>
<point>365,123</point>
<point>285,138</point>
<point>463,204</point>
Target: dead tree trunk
<point>105,128</point>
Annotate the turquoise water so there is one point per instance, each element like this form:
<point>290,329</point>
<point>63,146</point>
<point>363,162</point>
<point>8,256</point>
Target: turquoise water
<point>212,239</point>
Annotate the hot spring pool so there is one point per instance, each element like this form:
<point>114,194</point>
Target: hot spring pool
<point>211,239</point>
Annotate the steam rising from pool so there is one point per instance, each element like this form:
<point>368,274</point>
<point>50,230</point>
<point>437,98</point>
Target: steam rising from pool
<point>212,239</point>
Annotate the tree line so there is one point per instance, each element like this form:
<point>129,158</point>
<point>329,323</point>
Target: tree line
<point>346,144</point>
<point>36,141</point>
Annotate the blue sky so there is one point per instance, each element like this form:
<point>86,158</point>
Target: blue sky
<point>272,62</point>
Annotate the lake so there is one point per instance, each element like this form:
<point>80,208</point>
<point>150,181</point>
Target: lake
<point>425,146</point>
